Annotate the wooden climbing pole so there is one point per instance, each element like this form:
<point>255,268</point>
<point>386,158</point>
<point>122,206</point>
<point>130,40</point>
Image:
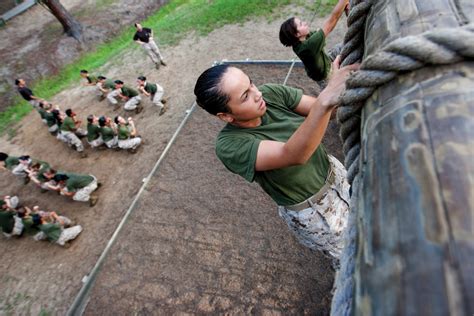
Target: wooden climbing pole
<point>412,160</point>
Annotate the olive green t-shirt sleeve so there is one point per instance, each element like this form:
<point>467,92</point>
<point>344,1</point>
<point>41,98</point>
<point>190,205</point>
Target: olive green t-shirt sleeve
<point>123,132</point>
<point>238,153</point>
<point>280,95</point>
<point>315,43</point>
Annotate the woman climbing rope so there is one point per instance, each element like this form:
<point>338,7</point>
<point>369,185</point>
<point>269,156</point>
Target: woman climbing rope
<point>273,137</point>
<point>309,46</point>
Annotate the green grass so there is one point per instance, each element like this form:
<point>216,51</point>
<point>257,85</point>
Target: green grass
<point>324,7</point>
<point>171,23</point>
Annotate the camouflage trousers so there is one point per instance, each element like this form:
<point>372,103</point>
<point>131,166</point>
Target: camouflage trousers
<point>130,143</point>
<point>112,143</point>
<point>96,142</point>
<point>67,234</point>
<point>321,226</point>
<point>71,139</point>
<point>84,194</point>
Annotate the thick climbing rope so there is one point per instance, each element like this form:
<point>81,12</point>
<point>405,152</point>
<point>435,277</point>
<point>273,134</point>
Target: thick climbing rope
<point>352,52</point>
<point>439,47</point>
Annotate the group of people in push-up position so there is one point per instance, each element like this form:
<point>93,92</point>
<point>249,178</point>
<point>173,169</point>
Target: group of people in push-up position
<point>78,187</point>
<point>16,220</point>
<point>116,90</point>
<point>116,132</point>
<point>101,131</point>
<point>43,225</point>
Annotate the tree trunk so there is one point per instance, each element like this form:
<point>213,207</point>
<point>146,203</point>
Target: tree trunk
<point>70,25</point>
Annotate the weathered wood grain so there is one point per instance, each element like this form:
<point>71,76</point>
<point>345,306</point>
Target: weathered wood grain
<point>416,223</point>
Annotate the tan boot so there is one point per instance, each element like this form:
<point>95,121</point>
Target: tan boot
<point>93,200</point>
<point>163,110</point>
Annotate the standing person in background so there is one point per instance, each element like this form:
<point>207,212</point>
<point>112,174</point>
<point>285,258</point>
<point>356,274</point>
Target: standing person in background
<point>309,46</point>
<point>154,91</point>
<point>144,37</point>
<point>26,93</point>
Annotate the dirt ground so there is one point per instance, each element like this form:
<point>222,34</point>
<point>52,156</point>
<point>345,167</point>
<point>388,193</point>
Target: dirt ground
<point>204,241</point>
<point>39,277</point>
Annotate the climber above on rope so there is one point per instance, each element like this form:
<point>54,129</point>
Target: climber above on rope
<point>309,46</point>
<point>273,136</point>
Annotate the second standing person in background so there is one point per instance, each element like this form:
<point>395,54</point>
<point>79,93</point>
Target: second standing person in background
<point>144,37</point>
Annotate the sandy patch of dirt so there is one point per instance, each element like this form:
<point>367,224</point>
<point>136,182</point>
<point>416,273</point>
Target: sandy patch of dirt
<point>41,276</point>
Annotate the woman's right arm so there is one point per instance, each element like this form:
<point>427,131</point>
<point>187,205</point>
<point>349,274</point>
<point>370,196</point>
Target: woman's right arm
<point>306,139</point>
<point>336,13</point>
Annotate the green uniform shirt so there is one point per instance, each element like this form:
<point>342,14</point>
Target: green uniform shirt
<point>151,88</point>
<point>109,84</point>
<point>237,149</point>
<point>43,179</point>
<point>93,132</point>
<point>92,79</point>
<point>11,162</point>
<point>42,113</point>
<point>77,181</point>
<point>43,165</point>
<point>129,92</point>
<point>123,132</point>
<point>311,52</point>
<point>107,133</point>
<point>50,119</point>
<point>7,221</point>
<point>28,226</point>
<point>52,231</point>
<point>68,125</point>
